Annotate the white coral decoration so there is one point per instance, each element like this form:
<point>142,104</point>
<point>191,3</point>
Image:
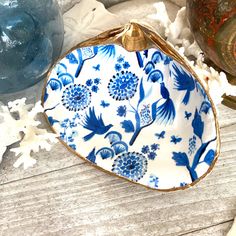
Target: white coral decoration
<point>25,128</point>
<point>216,81</point>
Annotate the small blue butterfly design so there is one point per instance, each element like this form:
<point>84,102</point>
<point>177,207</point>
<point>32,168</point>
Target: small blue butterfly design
<point>104,104</point>
<point>160,135</point>
<point>187,115</point>
<point>97,67</point>
<point>175,139</point>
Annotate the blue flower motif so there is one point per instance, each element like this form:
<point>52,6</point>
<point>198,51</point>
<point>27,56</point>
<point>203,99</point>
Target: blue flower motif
<point>155,146</point>
<point>126,65</point>
<point>118,67</point>
<point>121,111</point>
<point>183,184</point>
<point>123,86</point>
<point>73,146</point>
<point>97,81</point>
<point>152,155</point>
<point>128,126</point>
<point>120,59</point>
<point>72,59</point>
<point>153,181</point>
<point>76,97</point>
<point>145,149</point>
<point>89,82</point>
<point>145,114</point>
<point>131,165</point>
<point>70,139</point>
<point>62,135</point>
<point>95,88</point>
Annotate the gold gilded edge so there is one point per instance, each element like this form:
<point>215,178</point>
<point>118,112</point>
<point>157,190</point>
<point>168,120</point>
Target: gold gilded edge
<point>114,36</point>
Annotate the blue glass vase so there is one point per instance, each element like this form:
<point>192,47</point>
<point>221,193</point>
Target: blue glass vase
<point>31,38</point>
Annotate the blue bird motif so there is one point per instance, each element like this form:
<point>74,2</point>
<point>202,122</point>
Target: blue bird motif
<point>94,124</point>
<point>183,82</point>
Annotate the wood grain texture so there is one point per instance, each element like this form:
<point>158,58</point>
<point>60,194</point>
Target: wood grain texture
<point>216,230</point>
<point>63,195</point>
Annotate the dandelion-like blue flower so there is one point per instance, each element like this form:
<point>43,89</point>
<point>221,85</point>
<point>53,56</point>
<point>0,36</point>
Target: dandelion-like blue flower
<point>121,111</point>
<point>76,97</point>
<point>123,86</point>
<point>131,165</point>
<point>152,155</point>
<point>145,149</point>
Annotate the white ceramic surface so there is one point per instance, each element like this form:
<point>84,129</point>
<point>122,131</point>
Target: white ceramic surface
<point>139,115</point>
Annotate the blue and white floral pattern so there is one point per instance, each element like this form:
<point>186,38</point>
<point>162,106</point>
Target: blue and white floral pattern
<point>123,85</point>
<point>76,97</point>
<point>139,115</point>
<point>131,165</point>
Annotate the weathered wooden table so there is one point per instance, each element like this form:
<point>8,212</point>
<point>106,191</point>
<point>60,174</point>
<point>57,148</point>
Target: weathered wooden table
<point>63,195</point>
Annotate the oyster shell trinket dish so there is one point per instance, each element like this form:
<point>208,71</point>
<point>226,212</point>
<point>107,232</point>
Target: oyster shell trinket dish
<point>128,103</point>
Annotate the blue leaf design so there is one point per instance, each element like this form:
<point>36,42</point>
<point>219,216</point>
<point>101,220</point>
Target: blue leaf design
<point>72,59</point>
<point>105,153</point>
<point>181,159</point>
<point>66,78</point>
<point>149,67</point>
<point>156,76</point>
<point>91,156</point>
<point>120,147</point>
<point>198,125</point>
<point>156,57</point>
<point>205,107</point>
<point>200,152</point>
<point>209,157</point>
<point>60,68</point>
<point>113,136</point>
<point>140,60</point>
<point>55,84</point>
<point>108,50</point>
<point>141,92</point>
<point>128,126</point>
